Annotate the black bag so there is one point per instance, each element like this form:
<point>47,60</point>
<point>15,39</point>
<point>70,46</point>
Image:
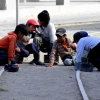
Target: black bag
<point>45,45</point>
<point>11,67</point>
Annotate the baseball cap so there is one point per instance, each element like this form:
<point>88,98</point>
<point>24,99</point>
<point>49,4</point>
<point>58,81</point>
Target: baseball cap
<point>33,22</point>
<point>60,32</point>
<point>79,35</point>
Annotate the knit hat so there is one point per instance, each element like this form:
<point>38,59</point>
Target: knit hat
<point>44,16</point>
<point>78,35</point>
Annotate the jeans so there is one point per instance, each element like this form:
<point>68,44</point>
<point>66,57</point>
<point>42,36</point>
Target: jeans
<point>69,60</point>
<point>3,57</point>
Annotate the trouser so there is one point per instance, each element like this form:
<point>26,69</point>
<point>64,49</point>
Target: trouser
<point>43,44</point>
<point>69,59</point>
<point>3,57</point>
<point>30,49</point>
<point>94,56</point>
<point>38,41</point>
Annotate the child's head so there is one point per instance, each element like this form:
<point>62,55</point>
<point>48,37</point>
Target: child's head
<point>61,35</point>
<point>43,18</point>
<point>78,35</point>
<point>31,25</point>
<point>21,30</point>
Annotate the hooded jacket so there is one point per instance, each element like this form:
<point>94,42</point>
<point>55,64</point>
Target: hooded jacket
<point>9,43</point>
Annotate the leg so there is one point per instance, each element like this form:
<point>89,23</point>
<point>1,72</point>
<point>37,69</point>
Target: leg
<point>19,56</point>
<point>38,41</point>
<point>32,48</point>
<point>24,52</point>
<point>3,57</point>
<point>68,62</point>
<point>95,62</point>
<point>73,58</point>
<point>94,56</point>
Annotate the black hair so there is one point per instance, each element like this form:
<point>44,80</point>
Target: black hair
<point>21,28</point>
<point>44,16</point>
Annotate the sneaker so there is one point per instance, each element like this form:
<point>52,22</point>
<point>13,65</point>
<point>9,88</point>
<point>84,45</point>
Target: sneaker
<point>18,59</point>
<point>55,63</point>
<point>40,63</point>
<point>31,62</point>
<point>37,63</point>
<point>98,69</point>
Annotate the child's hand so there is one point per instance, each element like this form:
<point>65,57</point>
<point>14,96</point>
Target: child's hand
<point>48,65</point>
<point>18,49</point>
<point>25,40</point>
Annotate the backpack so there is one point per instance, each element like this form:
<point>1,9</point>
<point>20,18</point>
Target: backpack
<point>45,45</point>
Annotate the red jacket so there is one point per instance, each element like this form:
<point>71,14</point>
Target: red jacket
<point>9,43</point>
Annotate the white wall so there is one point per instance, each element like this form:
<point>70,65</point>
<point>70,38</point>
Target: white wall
<point>86,0</point>
<point>47,0</point>
<point>71,0</point>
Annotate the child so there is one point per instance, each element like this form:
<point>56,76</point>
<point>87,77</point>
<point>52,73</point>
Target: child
<point>8,43</point>
<point>27,48</point>
<point>64,47</point>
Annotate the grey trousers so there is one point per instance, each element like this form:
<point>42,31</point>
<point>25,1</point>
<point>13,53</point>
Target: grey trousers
<point>38,41</point>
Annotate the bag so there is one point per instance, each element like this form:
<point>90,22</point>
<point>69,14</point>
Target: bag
<point>84,66</point>
<point>45,45</point>
<point>11,67</point>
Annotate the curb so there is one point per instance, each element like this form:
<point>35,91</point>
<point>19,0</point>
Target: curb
<point>77,23</point>
<point>1,71</point>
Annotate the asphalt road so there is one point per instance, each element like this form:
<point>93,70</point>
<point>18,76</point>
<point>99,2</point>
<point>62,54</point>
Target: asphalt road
<point>89,27</point>
<point>93,29</point>
<point>95,26</point>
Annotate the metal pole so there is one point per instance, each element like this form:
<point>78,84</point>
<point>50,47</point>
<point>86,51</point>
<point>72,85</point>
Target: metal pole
<point>17,12</point>
<point>24,1</point>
